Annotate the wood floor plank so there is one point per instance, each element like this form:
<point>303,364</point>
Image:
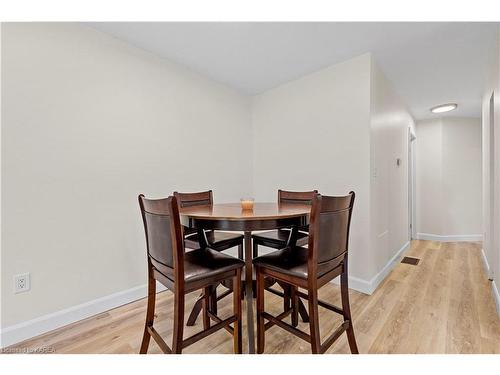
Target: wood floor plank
<point>442,305</point>
<point>436,301</point>
<point>463,335</point>
<point>401,332</point>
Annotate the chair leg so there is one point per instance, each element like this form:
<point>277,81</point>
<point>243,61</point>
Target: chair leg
<point>206,304</point>
<point>302,311</point>
<point>314,321</point>
<point>295,306</point>
<point>287,290</point>
<point>150,314</point>
<point>255,248</point>
<point>213,299</point>
<point>240,251</point>
<point>195,311</point>
<point>178,322</point>
<point>237,338</point>
<point>344,291</point>
<point>260,310</point>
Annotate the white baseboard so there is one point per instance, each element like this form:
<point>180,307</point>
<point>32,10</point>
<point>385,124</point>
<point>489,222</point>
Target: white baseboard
<point>379,277</point>
<point>357,284</point>
<point>496,295</point>
<point>485,263</point>
<point>368,287</point>
<point>31,328</point>
<point>450,238</point>
<point>494,288</point>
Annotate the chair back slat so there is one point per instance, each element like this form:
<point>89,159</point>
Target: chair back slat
<point>163,232</point>
<point>329,227</point>
<point>203,198</point>
<point>296,197</point>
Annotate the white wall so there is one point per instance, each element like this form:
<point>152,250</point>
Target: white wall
<point>491,181</point>
<point>88,123</point>
<point>313,133</point>
<point>340,129</point>
<point>462,177</point>
<point>429,177</point>
<point>449,179</point>
<point>389,131</point>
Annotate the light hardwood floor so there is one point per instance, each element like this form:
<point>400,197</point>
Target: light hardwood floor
<point>442,305</point>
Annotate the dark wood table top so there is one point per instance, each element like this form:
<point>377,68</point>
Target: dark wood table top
<point>233,211</point>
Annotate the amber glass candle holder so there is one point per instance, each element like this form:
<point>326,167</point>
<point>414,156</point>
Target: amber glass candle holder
<point>246,204</point>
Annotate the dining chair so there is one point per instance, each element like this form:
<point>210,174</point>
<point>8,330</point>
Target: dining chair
<point>217,240</point>
<point>278,238</point>
<point>184,272</point>
<point>310,269</point>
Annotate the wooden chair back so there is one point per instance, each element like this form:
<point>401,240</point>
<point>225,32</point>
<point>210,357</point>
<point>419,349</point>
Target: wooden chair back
<point>164,240</point>
<point>202,198</point>
<point>296,197</point>
<point>329,226</point>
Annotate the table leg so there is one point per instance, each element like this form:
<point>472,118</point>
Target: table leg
<point>303,312</point>
<point>249,291</point>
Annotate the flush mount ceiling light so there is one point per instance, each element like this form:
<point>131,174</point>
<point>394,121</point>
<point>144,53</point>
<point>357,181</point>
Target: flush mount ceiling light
<point>444,108</point>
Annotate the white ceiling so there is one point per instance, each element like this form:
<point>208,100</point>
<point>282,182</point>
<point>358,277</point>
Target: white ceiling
<point>428,63</point>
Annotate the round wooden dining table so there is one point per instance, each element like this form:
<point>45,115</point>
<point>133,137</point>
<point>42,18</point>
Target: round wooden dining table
<point>231,217</point>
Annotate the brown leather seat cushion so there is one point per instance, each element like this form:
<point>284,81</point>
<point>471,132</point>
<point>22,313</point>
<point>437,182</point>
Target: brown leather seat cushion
<point>293,261</point>
<point>202,263</point>
<point>216,239</point>
<point>280,236</point>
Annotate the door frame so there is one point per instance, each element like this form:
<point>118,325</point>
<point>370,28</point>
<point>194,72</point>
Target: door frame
<point>412,230</point>
<point>490,242</point>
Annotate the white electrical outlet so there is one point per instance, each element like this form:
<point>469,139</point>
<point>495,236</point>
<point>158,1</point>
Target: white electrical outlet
<point>22,283</point>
